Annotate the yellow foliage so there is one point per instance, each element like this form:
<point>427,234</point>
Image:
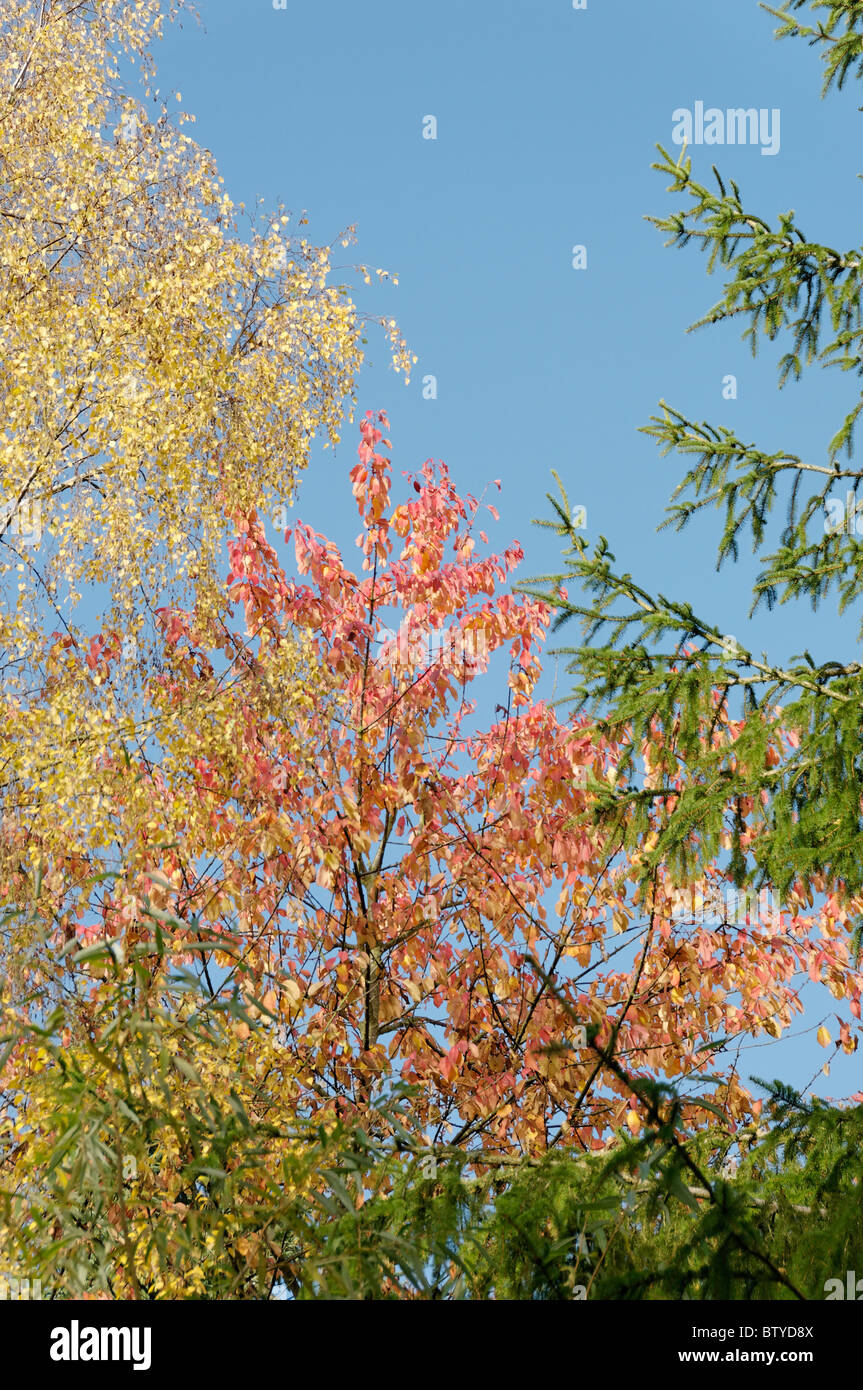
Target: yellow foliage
<point>165,362</point>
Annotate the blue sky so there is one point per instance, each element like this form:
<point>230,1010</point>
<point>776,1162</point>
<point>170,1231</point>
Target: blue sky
<point>547,121</point>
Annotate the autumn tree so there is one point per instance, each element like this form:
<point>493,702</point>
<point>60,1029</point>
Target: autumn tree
<point>260,872</point>
<point>419,895</point>
<point>367,885</point>
<point>166,357</point>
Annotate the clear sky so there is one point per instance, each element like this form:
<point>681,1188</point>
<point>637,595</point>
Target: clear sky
<point>547,121</point>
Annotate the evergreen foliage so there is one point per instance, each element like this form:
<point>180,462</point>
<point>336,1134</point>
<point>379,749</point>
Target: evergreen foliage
<point>648,664</point>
